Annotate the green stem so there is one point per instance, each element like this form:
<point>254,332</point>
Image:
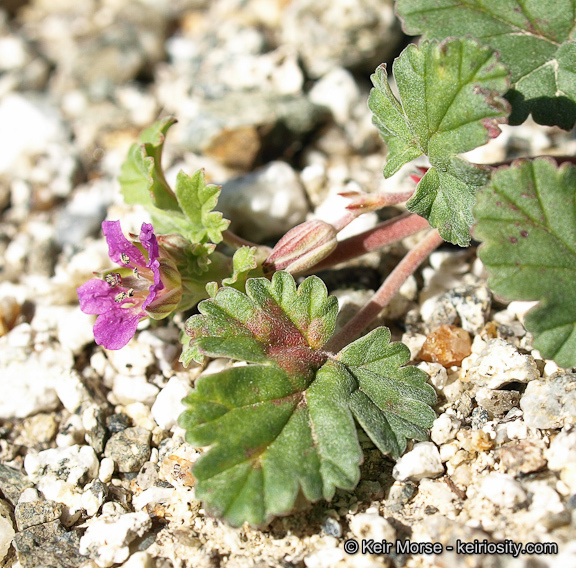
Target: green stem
<point>385,293</point>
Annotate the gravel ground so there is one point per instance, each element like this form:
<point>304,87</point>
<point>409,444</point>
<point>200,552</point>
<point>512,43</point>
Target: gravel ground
<point>270,96</point>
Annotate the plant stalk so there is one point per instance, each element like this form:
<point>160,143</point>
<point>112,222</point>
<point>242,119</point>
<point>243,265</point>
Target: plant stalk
<point>383,234</point>
<point>385,293</point>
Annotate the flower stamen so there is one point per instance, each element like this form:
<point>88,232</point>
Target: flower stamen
<point>124,258</point>
<point>113,279</point>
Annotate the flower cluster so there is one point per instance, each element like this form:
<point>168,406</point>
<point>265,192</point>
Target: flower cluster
<point>147,284</point>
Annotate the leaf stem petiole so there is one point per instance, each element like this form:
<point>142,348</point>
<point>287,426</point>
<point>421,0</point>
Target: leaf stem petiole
<point>385,293</point>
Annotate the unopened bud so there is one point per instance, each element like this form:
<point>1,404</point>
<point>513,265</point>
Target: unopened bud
<point>302,247</point>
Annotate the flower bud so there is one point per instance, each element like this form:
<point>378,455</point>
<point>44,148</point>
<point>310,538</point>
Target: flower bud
<point>302,247</point>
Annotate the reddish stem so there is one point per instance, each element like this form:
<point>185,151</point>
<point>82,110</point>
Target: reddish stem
<point>383,234</point>
<point>234,241</point>
<point>365,202</point>
<point>385,293</point>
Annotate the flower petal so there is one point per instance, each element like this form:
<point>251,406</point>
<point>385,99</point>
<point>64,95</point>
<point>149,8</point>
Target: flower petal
<point>97,297</point>
<point>118,244</point>
<point>150,243</point>
<point>114,329</point>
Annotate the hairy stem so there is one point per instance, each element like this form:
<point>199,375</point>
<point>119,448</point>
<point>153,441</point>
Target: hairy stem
<point>383,234</point>
<point>385,293</point>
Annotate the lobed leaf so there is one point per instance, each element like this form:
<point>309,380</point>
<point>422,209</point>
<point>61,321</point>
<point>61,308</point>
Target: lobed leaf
<point>284,425</point>
<point>141,178</point>
<point>534,40</point>
<point>196,199</point>
<point>526,218</point>
<point>450,102</point>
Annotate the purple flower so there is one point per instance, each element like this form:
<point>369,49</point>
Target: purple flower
<point>133,292</point>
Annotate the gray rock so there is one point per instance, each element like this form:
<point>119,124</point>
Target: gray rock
<point>497,402</point>
<point>479,418</point>
<point>357,34</point>
<point>265,203</point>
<point>129,449</point>
<point>12,483</point>
<point>550,402</point>
<point>332,527</point>
<point>468,304</point>
<point>48,545</point>
<point>32,513</point>
<point>94,424</point>
<point>238,127</point>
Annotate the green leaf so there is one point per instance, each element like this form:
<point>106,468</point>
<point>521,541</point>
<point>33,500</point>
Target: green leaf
<point>142,178</point>
<point>534,39</point>
<point>391,402</point>
<point>283,425</point>
<point>526,219</point>
<point>450,102</point>
<point>243,262</point>
<point>196,199</point>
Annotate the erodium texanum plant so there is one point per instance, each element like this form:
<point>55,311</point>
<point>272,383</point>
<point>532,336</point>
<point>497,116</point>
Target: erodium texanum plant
<point>284,424</point>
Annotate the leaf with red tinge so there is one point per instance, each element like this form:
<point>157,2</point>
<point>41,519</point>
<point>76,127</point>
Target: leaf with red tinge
<point>535,41</point>
<point>450,102</point>
<point>526,218</point>
<point>283,425</point>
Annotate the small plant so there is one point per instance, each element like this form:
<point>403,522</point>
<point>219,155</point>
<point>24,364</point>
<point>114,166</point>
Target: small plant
<point>284,423</point>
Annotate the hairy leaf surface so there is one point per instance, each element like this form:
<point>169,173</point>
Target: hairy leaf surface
<point>284,424</point>
<point>534,39</point>
<point>450,102</point>
<point>526,218</point>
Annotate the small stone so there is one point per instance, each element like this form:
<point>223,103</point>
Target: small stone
<point>168,405</point>
<point>7,531</point>
<point>37,430</point>
<point>521,456</point>
<point>106,471</point>
<point>140,559</point>
<point>29,514</point>
<point>332,527</point>
<point>59,548</point>
<point>13,483</point>
<point>93,498</point>
<point>422,461</point>
<point>117,422</point>
<point>500,363</point>
<point>444,429</point>
<point>479,418</point>
<point>153,495</point>
<point>502,490</point>
<point>551,402</point>
<point>176,466</point>
<point>371,525</point>
<point>93,422</point>
<point>266,203</point>
<point>107,539</point>
<point>447,345</point>
<point>497,402</point>
<point>129,449</point>
<point>436,372</point>
<point>133,389</point>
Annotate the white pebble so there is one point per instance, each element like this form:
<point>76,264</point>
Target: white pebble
<point>372,525</point>
<point>107,540</point>
<point>168,405</point>
<point>422,461</point>
<point>501,363</point>
<point>444,429</point>
<point>502,490</point>
<point>106,470</point>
